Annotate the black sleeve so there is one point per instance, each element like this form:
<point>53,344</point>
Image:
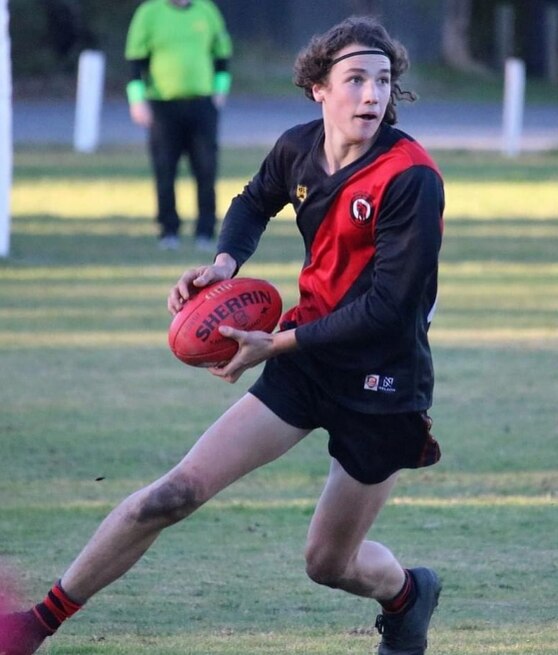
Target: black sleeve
<point>408,239</point>
<point>263,197</point>
<point>139,68</point>
<point>221,65</point>
<point>241,231</point>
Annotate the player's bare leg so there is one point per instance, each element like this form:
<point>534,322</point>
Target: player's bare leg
<point>337,553</point>
<point>244,438</point>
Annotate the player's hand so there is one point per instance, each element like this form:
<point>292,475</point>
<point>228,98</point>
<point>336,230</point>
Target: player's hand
<point>253,347</point>
<point>141,113</point>
<point>194,279</point>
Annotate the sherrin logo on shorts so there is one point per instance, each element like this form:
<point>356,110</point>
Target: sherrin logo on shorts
<point>376,382</point>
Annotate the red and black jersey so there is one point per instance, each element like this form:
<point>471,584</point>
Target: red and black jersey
<point>372,233</point>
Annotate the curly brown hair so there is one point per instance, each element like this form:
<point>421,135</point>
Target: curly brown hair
<point>314,62</point>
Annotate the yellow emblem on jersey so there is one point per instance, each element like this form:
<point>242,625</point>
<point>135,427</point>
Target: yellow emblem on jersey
<point>301,192</point>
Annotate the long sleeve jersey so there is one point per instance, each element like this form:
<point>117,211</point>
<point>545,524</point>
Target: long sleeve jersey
<point>372,233</point>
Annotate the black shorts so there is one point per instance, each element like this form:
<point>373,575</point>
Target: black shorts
<point>370,447</point>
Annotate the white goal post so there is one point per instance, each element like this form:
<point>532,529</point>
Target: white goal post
<point>6,140</point>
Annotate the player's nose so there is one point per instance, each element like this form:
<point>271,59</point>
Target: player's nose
<point>370,92</point>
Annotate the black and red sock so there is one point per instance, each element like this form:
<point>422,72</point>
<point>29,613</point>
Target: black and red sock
<point>404,599</point>
<point>55,608</point>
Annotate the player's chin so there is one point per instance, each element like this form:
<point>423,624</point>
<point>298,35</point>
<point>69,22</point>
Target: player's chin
<point>366,128</point>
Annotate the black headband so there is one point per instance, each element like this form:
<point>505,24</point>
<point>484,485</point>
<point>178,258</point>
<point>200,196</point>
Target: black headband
<point>373,51</point>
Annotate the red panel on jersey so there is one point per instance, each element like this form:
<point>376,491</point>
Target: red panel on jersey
<point>344,243</point>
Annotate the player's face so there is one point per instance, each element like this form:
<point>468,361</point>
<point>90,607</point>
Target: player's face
<point>356,95</point>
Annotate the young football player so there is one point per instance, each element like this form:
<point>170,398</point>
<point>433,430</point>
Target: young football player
<point>351,357</point>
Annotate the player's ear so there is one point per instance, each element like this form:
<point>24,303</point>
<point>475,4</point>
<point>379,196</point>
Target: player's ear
<point>318,92</point>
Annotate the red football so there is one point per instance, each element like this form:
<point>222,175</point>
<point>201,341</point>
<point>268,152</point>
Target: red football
<point>243,303</point>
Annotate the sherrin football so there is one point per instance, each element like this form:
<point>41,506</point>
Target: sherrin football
<point>243,303</point>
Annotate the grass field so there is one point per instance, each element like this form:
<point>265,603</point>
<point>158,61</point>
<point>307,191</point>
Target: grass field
<point>93,405</point>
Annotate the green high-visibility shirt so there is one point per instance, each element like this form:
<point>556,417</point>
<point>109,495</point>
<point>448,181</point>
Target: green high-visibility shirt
<point>181,44</point>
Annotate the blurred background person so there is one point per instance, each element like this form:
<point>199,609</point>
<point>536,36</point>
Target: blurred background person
<point>179,51</point>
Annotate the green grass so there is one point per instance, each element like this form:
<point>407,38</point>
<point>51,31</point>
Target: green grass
<point>92,405</point>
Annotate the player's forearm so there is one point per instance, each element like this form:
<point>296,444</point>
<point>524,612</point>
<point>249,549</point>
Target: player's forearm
<point>242,228</point>
<point>284,342</point>
<point>135,89</point>
<point>227,263</point>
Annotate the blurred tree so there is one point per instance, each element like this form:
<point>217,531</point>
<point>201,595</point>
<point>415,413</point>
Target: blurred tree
<point>62,24</point>
<point>456,37</point>
<point>67,29</point>
<point>527,32</point>
<point>48,35</point>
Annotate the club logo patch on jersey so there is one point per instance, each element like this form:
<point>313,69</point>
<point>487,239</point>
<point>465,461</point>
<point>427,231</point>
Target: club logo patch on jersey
<point>301,192</point>
<point>361,209</point>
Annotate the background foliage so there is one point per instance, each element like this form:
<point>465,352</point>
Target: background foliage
<point>48,35</point>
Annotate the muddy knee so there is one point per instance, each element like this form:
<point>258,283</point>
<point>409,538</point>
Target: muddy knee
<point>169,500</point>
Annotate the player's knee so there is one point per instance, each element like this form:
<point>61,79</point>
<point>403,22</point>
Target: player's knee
<point>324,567</point>
<point>169,500</point>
